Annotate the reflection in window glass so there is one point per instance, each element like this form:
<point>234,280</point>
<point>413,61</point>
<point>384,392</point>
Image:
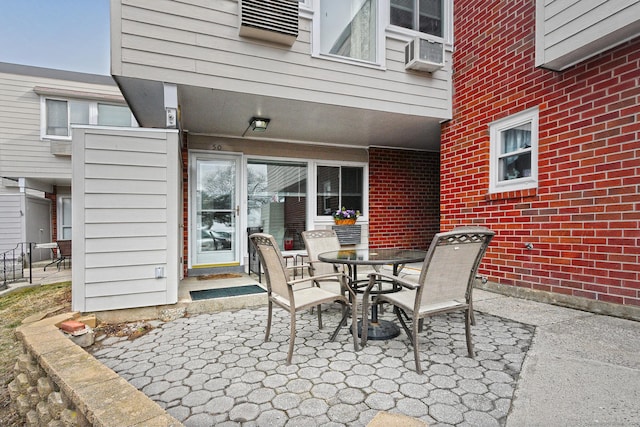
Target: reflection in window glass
<point>277,200</point>
<point>428,20</point>
<point>348,28</point>
<point>80,112</point>
<point>337,187</point>
<point>215,210</point>
<point>515,153</point>
<point>57,122</point>
<point>114,115</point>
<point>65,223</point>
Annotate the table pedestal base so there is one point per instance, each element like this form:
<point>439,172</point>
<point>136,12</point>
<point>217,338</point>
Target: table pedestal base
<point>380,330</point>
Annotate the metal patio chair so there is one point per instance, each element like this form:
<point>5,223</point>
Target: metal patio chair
<point>288,293</point>
<point>64,252</point>
<point>316,242</point>
<point>445,284</point>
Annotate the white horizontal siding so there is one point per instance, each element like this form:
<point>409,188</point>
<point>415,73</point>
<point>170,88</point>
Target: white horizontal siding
<point>22,152</point>
<point>197,43</point>
<point>10,221</point>
<point>96,290</point>
<point>126,195</point>
<point>569,31</point>
<point>146,299</point>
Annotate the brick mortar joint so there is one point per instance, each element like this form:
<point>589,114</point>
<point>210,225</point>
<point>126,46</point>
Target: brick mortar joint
<point>45,331</point>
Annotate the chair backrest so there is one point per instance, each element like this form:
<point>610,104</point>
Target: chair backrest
<point>317,242</point>
<point>271,259</point>
<point>64,246</point>
<point>451,264</point>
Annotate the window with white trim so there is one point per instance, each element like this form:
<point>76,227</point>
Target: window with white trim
<point>338,187</point>
<point>514,152</point>
<point>424,16</point>
<point>349,29</point>
<point>64,217</point>
<point>59,114</point>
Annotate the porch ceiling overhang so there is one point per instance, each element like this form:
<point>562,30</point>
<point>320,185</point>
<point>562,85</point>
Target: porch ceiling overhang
<point>225,113</point>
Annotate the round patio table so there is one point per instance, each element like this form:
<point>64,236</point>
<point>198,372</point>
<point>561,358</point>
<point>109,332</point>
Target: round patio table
<point>378,329</point>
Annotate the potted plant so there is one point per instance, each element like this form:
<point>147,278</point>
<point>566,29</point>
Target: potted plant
<point>345,216</point>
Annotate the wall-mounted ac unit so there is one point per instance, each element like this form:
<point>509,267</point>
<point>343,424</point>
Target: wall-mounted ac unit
<point>272,20</point>
<point>423,55</point>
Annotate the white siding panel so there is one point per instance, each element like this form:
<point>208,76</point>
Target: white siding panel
<point>123,141</point>
<point>126,201</point>
<point>111,276</point>
<point>116,302</point>
<point>131,286</point>
<point>130,243</point>
<point>134,158</point>
<point>108,215</point>
<point>570,31</point>
<point>10,221</point>
<point>96,171</point>
<point>196,43</point>
<point>126,257</point>
<point>129,229</point>
<point>124,186</point>
<point>121,196</point>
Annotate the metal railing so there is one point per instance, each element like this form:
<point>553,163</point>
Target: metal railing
<point>12,264</point>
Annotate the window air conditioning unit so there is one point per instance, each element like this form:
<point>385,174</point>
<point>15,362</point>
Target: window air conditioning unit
<point>423,55</point>
<point>272,20</point>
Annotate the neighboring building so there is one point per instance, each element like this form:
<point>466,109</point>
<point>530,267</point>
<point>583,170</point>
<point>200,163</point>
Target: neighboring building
<point>37,108</point>
<point>544,147</point>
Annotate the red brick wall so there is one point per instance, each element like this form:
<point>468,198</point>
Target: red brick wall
<point>403,198</point>
<point>584,217</point>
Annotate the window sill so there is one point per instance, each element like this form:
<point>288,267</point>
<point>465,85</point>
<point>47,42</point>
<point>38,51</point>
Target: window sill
<point>513,194</point>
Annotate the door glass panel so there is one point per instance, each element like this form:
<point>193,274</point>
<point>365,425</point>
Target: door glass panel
<point>215,210</point>
<point>277,200</point>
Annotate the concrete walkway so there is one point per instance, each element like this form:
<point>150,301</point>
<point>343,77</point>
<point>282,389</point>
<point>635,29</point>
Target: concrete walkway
<point>582,369</point>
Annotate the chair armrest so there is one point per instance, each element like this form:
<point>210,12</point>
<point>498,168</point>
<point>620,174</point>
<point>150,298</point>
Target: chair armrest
<point>313,278</point>
<point>403,282</point>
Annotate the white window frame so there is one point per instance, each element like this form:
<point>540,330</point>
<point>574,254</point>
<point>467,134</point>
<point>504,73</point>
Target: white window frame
<point>408,33</point>
<point>313,180</point>
<point>382,19</point>
<point>61,225</point>
<point>495,129</point>
<point>93,115</point>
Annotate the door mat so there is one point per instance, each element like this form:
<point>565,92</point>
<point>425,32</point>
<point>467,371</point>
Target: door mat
<point>226,292</point>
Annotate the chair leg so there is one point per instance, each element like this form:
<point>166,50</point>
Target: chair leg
<point>473,316</point>
<point>467,331</point>
<point>319,308</point>
<point>365,322</point>
<point>416,351</point>
<point>354,325</point>
<point>292,339</point>
<point>269,313</point>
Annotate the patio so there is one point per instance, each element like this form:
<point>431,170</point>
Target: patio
<point>580,368</point>
<point>215,369</point>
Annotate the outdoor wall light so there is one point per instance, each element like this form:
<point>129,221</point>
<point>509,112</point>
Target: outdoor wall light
<point>258,124</point>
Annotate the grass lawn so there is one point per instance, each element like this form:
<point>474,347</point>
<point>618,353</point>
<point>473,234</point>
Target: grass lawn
<point>14,307</point>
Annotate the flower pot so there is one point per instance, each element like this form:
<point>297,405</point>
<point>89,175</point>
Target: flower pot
<point>347,221</point>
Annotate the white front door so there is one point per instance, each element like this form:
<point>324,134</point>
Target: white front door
<point>215,206</point>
